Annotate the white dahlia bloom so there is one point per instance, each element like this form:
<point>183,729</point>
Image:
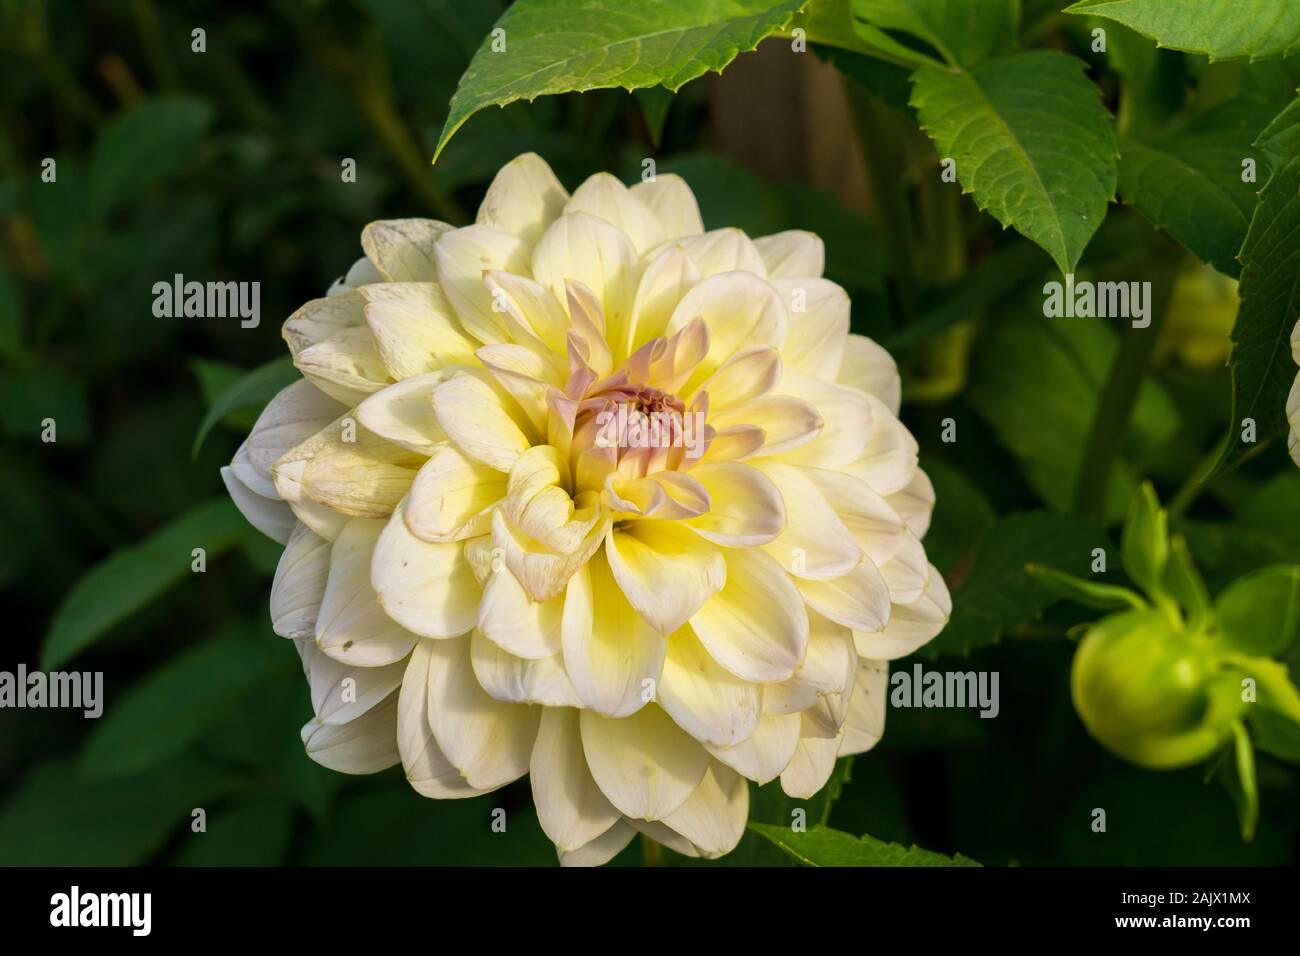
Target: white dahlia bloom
<point>585,492</point>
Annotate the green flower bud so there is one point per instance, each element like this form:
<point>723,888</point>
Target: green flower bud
<point>1151,693</point>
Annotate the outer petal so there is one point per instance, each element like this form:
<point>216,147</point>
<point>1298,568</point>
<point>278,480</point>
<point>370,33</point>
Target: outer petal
<point>815,543</point>
<point>644,764</point>
<point>602,849</point>
<point>713,817</point>
<point>767,751</point>
<point>341,693</point>
<point>865,723</point>
<point>427,768</point>
<point>859,599</point>
<point>869,367</point>
<point>402,249</point>
<point>910,625</point>
<point>747,509</point>
<point>605,197</point>
<point>516,623</point>
<point>740,311</point>
<point>366,745</point>
<point>451,496</point>
<point>524,198</point>
<point>673,204</point>
<point>299,584</point>
<point>415,329</point>
<point>293,416</point>
<point>519,680</point>
<point>810,767</point>
<point>723,250</point>
<point>819,325</point>
<point>462,256</point>
<point>570,806</point>
<point>364,478</point>
<point>403,413</point>
<point>270,516</point>
<point>479,421</point>
<point>756,627</point>
<point>351,626</point>
<point>792,254</point>
<point>487,740</point>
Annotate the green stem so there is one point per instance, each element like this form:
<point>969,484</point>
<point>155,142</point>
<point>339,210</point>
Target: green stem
<point>651,852</point>
<point>880,139</point>
<point>1119,395</point>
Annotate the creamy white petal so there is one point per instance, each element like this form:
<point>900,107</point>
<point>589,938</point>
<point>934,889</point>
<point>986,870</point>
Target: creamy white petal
<point>673,203</point>
<point>427,768</point>
<point>644,764</point>
<point>487,740</point>
<point>365,745</point>
<point>602,849</point>
<point>869,367</point>
<point>865,723</point>
<point>299,584</point>
<point>707,701</point>
<point>524,198</point>
<point>819,325</point>
<point>910,625</point>
<point>604,196</point>
<point>463,255</point>
<point>270,516</point>
<point>713,817</point>
<point>793,253</point>
<point>428,588</point>
<point>766,752</point>
<point>810,767</point>
<point>352,626</point>
<point>520,680</point>
<point>402,249</point>
<point>859,599</point>
<point>415,328</point>
<point>403,413</point>
<point>665,570</point>
<point>570,806</point>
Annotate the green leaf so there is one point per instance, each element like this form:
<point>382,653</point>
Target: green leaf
<point>1033,144</point>
<point>1037,383</point>
<point>1263,370</point>
<point>252,832</point>
<point>1190,184</point>
<point>1238,774</point>
<point>1144,542</point>
<point>1184,582</point>
<point>964,32</point>
<point>822,846</point>
<point>129,579</point>
<point>57,817</point>
<point>146,143</point>
<point>570,46</point>
<point>1223,29</point>
<point>173,706</point>
<point>1281,138</point>
<point>1093,594</point>
<point>1260,612</point>
<point>256,387</point>
<point>997,593</point>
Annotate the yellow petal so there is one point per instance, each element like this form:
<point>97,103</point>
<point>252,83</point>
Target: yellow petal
<point>613,657</point>
<point>479,421</point>
<point>756,626</point>
<point>462,256</point>
<point>603,196</point>
<point>524,198</point>
<point>819,325</point>
<point>365,478</point>
<point>709,703</point>
<point>516,623</point>
<point>745,510</point>
<point>673,204</point>
<point>403,412</point>
<point>815,543</point>
<point>667,277</point>
<point>859,599</point>
<point>451,496</point>
<point>739,310</point>
<point>665,570</point>
<point>723,250</point>
<point>415,328</point>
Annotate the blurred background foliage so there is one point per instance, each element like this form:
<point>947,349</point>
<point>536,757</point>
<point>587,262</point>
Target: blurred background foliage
<point>225,165</point>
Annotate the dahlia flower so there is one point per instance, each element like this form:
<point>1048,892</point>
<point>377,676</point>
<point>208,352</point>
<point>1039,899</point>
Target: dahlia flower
<point>585,492</point>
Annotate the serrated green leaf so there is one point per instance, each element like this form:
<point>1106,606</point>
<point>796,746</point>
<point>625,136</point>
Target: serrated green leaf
<point>146,143</point>
<point>1032,141</point>
<point>571,46</point>
<point>964,32</point>
<point>1094,594</point>
<point>822,846</point>
<point>129,579</point>
<point>1191,184</point>
<point>1263,370</point>
<point>1260,612</point>
<point>1281,137</point>
<point>171,707</point>
<point>997,593</point>
<point>1222,29</point>
<point>832,23</point>
<point>256,387</point>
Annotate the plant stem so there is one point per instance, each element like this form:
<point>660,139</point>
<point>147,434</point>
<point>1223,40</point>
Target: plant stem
<point>1119,395</point>
<point>651,852</point>
<point>880,141</point>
